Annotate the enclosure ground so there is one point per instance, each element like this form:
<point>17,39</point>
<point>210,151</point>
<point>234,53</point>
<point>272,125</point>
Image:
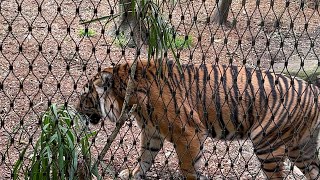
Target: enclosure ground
<point>45,59</point>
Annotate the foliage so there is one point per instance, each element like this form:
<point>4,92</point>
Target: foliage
<point>181,42</point>
<point>62,142</point>
<point>159,32</point>
<point>121,40</point>
<point>310,75</point>
<point>87,33</point>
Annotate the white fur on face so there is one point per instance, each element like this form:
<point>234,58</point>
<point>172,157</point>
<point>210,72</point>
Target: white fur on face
<point>106,100</point>
<point>85,90</point>
<point>101,94</point>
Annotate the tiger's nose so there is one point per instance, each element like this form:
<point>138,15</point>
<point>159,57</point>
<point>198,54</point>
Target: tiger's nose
<point>95,118</point>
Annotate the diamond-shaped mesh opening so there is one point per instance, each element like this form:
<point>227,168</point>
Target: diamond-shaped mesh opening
<point>242,105</point>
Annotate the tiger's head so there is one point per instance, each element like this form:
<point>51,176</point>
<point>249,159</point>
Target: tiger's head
<point>98,100</point>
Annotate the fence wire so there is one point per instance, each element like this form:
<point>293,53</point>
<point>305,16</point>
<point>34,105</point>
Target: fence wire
<point>47,55</point>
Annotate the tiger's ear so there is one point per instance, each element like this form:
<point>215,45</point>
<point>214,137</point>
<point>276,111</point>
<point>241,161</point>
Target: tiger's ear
<point>103,82</point>
<point>107,80</point>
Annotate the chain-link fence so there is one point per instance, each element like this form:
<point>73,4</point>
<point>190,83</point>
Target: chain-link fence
<point>215,85</point>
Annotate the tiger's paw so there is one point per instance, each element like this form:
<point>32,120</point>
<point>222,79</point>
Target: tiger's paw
<point>201,177</point>
<point>197,176</point>
<point>125,175</point>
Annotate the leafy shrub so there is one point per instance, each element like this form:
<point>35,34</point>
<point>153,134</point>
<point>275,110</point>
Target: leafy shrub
<point>63,143</point>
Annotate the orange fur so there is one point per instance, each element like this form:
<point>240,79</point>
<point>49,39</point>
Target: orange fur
<point>279,114</point>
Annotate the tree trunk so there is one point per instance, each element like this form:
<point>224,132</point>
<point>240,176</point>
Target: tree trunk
<point>129,23</point>
<point>221,13</point>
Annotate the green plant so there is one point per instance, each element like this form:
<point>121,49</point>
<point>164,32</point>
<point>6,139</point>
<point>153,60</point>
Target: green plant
<point>63,141</point>
<point>180,42</point>
<point>310,75</point>
<point>158,30</point>
<point>87,33</point>
<point>121,40</point>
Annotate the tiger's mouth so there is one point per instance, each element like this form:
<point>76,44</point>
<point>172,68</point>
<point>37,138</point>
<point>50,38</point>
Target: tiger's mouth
<point>90,118</point>
<point>94,118</point>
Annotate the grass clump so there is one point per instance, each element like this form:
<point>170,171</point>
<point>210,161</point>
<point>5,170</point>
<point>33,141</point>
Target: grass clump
<point>310,75</point>
<point>181,42</point>
<point>62,144</point>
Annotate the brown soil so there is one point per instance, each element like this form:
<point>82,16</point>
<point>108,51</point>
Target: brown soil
<point>44,59</point>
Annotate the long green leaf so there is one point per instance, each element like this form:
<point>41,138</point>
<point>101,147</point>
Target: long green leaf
<point>110,18</point>
<point>18,164</point>
<point>61,162</point>
<point>74,165</point>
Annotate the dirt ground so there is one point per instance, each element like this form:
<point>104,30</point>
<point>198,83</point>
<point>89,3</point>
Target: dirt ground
<point>44,59</point>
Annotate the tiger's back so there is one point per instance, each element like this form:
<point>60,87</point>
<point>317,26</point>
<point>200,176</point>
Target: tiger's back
<point>279,114</point>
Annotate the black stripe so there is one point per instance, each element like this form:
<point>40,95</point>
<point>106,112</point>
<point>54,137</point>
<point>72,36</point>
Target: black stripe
<point>224,131</point>
<point>273,110</point>
<point>173,94</point>
<point>249,97</point>
<point>308,167</point>
<point>300,159</point>
<point>181,74</point>
<point>271,160</point>
<point>197,159</point>
<point>190,81</point>
<point>274,147</point>
<point>234,120</point>
<point>251,118</point>
<point>170,70</point>
<point>291,103</point>
<point>170,67</point>
<point>177,81</point>
<point>273,89</point>
<point>312,113</point>
<point>187,114</point>
<point>210,127</point>
<point>150,110</point>
<point>263,102</point>
<point>196,77</point>
<point>182,81</point>
<point>279,107</point>
<point>168,84</point>
<point>154,77</point>
<point>234,98</point>
<point>152,149</point>
<point>276,136</point>
<point>272,170</point>
<point>249,72</point>
<point>286,83</point>
<point>284,118</point>
<point>204,94</point>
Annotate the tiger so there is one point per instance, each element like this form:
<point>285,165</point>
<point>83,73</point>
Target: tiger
<point>186,103</point>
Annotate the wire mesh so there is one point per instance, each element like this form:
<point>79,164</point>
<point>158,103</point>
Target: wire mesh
<point>47,56</point>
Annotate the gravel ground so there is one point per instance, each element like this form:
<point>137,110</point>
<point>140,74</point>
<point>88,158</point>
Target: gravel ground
<point>44,59</point>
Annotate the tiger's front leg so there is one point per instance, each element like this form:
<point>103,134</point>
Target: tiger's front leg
<point>151,143</point>
<point>189,149</point>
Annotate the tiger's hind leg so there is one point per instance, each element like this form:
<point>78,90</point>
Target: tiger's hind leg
<point>272,162</point>
<point>271,152</point>
<point>305,157</point>
<point>151,143</point>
